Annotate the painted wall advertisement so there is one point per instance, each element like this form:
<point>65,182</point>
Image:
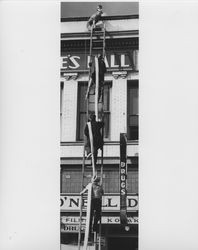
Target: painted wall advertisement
<point>80,62</point>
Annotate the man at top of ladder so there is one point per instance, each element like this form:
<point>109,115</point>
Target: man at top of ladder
<point>95,18</point>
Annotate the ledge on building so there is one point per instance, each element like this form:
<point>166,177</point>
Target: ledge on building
<point>117,17</point>
<point>131,161</point>
<point>81,143</point>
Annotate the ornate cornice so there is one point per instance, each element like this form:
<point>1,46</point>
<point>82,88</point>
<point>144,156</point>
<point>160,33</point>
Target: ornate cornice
<point>109,34</point>
<point>119,43</point>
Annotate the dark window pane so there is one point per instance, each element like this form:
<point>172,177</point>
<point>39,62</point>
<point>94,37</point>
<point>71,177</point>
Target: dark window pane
<point>82,123</point>
<point>132,110</point>
<point>107,125</point>
<point>133,133</point>
<point>133,120</point>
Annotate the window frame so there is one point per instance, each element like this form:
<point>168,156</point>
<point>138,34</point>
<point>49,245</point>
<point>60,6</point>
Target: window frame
<point>130,85</point>
<point>107,112</point>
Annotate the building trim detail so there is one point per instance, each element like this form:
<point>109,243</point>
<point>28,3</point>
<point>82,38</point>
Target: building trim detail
<point>117,17</point>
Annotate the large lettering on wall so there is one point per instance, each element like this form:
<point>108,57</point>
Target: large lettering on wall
<point>110,203</point>
<point>80,61</point>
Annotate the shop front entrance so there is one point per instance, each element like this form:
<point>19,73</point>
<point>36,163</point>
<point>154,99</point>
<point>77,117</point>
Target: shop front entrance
<point>123,243</point>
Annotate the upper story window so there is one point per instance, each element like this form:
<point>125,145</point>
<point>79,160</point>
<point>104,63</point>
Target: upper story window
<point>70,180</point>
<point>132,110</point>
<point>82,109</point>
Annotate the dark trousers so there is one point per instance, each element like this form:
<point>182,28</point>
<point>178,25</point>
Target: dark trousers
<point>95,152</point>
<point>101,85</point>
<point>96,205</point>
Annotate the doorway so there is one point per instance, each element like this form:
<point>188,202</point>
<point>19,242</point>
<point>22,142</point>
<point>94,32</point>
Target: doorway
<point>123,243</point>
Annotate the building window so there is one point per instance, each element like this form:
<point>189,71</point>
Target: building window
<point>132,110</point>
<point>111,181</point>
<point>82,109</point>
<point>71,180</point>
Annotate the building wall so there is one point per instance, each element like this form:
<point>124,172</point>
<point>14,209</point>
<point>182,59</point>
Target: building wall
<point>72,150</point>
<point>111,25</point>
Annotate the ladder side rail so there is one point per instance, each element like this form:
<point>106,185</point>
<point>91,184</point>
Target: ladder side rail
<point>96,87</point>
<point>91,39</point>
<point>102,109</point>
<point>90,53</point>
<point>104,44</point>
<point>102,152</point>
<point>101,169</point>
<point>92,148</point>
<point>88,214</point>
<point>80,224</point>
<point>82,185</point>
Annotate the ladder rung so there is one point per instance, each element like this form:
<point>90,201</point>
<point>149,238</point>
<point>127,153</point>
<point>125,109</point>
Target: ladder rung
<point>98,48</point>
<point>97,40</point>
<point>97,29</point>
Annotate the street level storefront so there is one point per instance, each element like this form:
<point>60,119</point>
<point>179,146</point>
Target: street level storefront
<point>114,235</point>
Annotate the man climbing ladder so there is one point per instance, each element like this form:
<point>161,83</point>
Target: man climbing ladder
<point>97,67</point>
<point>100,72</point>
<point>92,146</point>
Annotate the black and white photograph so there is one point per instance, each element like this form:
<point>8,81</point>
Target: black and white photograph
<point>99,125</point>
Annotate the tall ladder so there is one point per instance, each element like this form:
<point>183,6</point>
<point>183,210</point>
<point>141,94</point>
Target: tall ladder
<point>97,46</point>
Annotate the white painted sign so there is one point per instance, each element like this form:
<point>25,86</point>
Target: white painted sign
<point>80,61</point>
<point>109,203</point>
<point>71,220</point>
<point>71,224</point>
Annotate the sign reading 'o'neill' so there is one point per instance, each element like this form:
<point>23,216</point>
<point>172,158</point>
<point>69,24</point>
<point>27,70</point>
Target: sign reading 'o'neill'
<point>110,203</point>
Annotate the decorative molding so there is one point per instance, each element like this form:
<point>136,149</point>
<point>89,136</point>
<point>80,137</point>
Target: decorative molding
<point>68,76</point>
<point>118,17</point>
<point>109,35</point>
<point>106,161</point>
<point>106,143</point>
<point>117,74</point>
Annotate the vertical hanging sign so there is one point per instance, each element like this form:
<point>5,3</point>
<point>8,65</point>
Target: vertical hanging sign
<point>123,179</point>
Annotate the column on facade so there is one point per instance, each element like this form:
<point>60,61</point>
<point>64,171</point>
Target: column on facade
<point>119,105</point>
<point>69,110</point>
